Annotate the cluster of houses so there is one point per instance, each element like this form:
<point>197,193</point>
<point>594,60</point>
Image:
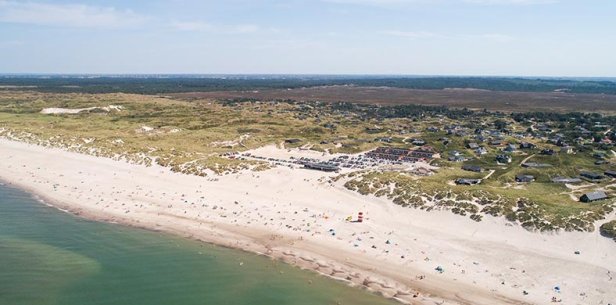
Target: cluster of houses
<point>587,197</point>
<point>506,158</point>
<point>495,136</point>
<point>524,178</point>
<point>456,156</point>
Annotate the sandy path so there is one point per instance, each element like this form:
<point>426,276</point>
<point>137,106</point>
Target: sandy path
<point>492,171</point>
<point>297,216</point>
<point>527,158</point>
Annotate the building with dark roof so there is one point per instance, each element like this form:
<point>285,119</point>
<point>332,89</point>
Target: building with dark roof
<point>503,159</point>
<point>418,142</point>
<point>593,196</point>
<point>292,141</point>
<point>472,145</point>
<point>467,181</point>
<point>374,130</point>
<point>458,158</point>
<point>548,152</point>
<point>566,180</point>
<point>510,148</point>
<point>472,168</point>
<point>526,145</point>
<point>610,173</point>
<point>481,151</point>
<point>384,139</point>
<point>524,178</point>
<point>592,176</point>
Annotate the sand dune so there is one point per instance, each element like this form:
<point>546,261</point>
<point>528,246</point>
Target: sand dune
<point>79,110</point>
<point>295,215</point>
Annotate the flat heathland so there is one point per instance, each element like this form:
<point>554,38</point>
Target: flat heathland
<point>506,101</point>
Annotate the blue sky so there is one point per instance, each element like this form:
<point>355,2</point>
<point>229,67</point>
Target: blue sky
<point>416,37</point>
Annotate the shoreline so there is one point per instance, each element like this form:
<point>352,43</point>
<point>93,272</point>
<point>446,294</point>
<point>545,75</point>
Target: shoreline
<point>375,271</point>
<point>248,245</point>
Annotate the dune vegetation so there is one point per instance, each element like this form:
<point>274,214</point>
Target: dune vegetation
<point>195,136</point>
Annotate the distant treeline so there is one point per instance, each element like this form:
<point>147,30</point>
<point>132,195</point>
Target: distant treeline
<point>402,111</point>
<point>162,85</point>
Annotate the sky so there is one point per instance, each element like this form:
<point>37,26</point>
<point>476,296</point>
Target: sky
<point>410,37</point>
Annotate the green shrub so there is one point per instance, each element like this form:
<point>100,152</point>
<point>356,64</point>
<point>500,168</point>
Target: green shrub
<point>608,229</point>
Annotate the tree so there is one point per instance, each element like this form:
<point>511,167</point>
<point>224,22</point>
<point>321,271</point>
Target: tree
<point>500,124</point>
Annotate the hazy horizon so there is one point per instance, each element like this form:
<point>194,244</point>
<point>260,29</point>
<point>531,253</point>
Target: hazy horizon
<point>295,75</point>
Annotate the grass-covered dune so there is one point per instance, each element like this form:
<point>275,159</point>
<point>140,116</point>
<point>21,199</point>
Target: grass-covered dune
<point>192,137</point>
<point>186,136</point>
<point>608,229</point>
<point>540,206</point>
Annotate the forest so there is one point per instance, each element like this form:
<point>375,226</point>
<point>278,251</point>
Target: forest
<point>145,84</point>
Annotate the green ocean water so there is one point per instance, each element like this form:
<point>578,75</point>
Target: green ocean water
<point>48,257</point>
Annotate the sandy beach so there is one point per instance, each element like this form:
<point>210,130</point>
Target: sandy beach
<point>298,216</point>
